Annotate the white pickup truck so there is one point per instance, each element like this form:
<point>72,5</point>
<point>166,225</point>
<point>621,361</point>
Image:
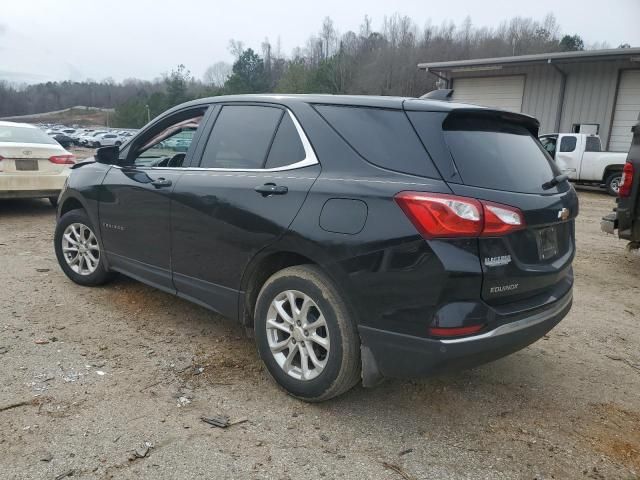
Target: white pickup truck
<point>580,156</point>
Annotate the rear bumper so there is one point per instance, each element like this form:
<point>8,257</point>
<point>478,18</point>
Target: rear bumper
<point>389,354</point>
<point>32,186</point>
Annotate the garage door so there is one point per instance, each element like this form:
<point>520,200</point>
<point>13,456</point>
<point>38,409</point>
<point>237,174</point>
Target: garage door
<point>626,112</point>
<point>498,92</point>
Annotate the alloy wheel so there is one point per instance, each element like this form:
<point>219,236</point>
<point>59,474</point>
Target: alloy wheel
<point>80,249</point>
<point>297,335</point>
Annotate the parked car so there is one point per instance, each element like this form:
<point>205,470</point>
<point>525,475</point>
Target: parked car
<point>580,156</point>
<point>64,140</point>
<point>89,139</point>
<point>324,225</point>
<point>626,217</point>
<point>106,139</point>
<point>32,164</point>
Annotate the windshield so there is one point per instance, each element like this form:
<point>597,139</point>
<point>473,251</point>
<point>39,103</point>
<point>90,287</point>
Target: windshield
<point>12,134</point>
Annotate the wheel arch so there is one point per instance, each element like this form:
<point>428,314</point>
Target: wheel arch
<point>609,169</point>
<point>269,261</point>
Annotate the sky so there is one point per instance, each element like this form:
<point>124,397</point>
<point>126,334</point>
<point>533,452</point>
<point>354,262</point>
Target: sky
<point>44,40</point>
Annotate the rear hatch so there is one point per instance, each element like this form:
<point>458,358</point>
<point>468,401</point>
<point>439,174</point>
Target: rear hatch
<point>494,156</point>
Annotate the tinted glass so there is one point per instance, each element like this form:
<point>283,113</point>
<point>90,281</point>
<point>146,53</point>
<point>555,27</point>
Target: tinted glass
<point>497,154</point>
<point>25,135</point>
<point>241,137</point>
<point>287,147</point>
<point>593,144</point>
<point>383,137</point>
<point>568,144</point>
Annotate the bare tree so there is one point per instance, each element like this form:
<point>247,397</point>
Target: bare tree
<point>217,74</point>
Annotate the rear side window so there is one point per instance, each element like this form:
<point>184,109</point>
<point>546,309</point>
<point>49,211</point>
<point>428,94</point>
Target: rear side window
<point>287,147</point>
<point>241,137</point>
<point>383,137</point>
<point>568,144</point>
<point>493,153</point>
<point>593,145</point>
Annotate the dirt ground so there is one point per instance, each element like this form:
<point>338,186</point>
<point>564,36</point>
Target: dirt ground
<point>111,382</point>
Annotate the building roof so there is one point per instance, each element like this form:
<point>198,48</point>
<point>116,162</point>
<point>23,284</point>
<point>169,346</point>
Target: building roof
<point>555,57</point>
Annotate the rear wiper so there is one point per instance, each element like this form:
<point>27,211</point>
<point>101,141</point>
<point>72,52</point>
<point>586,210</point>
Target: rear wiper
<point>555,181</point>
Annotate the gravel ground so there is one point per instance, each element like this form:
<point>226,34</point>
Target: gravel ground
<point>111,382</point>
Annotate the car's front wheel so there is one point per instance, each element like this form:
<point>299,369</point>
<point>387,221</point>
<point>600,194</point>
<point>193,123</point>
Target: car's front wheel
<point>306,335</point>
<point>78,249</point>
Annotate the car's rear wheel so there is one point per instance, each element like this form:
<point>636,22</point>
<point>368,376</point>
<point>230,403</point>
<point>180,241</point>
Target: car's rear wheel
<point>306,335</point>
<point>612,183</point>
<point>78,249</point>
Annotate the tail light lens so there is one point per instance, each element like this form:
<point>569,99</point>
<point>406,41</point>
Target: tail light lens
<point>62,159</point>
<point>627,180</point>
<point>438,215</point>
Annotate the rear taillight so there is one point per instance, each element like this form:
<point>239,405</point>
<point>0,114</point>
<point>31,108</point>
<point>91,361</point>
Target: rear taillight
<point>454,331</point>
<point>437,215</point>
<point>62,159</point>
<point>627,180</point>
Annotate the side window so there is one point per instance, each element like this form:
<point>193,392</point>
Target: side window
<point>287,147</point>
<point>383,137</point>
<point>241,137</point>
<point>568,144</point>
<point>549,144</point>
<point>593,145</point>
<point>168,147</point>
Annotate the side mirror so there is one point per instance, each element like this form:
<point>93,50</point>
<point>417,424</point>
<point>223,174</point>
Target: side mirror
<point>108,155</point>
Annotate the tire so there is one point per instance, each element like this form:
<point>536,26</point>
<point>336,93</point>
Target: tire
<point>53,201</point>
<point>335,369</point>
<point>612,183</point>
<point>85,272</point>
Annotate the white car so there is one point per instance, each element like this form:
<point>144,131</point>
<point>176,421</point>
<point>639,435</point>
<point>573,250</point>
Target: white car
<point>32,164</point>
<point>106,140</point>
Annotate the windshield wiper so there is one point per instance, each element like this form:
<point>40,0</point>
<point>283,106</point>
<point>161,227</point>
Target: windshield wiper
<point>555,181</point>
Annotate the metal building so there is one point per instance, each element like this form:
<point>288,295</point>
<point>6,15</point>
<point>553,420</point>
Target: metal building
<point>595,91</point>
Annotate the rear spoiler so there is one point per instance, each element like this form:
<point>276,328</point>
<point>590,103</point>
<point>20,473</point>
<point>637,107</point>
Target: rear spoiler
<point>443,94</point>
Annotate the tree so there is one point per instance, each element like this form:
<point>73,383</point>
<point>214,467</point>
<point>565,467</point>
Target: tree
<point>177,82</point>
<point>248,74</point>
<point>571,43</point>
<point>217,74</point>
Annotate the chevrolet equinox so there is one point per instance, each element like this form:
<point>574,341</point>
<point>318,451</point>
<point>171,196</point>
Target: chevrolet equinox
<point>357,237</point>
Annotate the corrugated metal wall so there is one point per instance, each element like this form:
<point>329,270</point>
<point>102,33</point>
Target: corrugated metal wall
<point>589,96</point>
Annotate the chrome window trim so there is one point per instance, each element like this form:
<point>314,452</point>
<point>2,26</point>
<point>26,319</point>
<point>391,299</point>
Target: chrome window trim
<point>308,160</point>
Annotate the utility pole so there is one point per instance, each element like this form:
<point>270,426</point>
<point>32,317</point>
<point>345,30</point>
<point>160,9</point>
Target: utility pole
<point>148,113</point>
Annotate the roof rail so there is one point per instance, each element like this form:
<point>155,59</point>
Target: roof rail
<point>443,94</point>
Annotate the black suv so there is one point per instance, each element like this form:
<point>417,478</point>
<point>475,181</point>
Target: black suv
<point>359,237</point>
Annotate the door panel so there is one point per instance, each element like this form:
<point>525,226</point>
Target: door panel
<point>134,221</point>
<point>220,221</point>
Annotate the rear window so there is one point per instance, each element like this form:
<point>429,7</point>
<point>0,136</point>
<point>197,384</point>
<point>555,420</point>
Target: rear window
<point>25,135</point>
<point>497,154</point>
<point>593,145</point>
<point>383,137</point>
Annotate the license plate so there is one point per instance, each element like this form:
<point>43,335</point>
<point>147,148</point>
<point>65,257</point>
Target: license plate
<point>23,165</point>
<point>547,240</point>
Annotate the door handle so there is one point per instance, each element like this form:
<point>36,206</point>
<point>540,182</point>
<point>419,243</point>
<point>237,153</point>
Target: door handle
<point>161,182</point>
<point>271,189</point>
